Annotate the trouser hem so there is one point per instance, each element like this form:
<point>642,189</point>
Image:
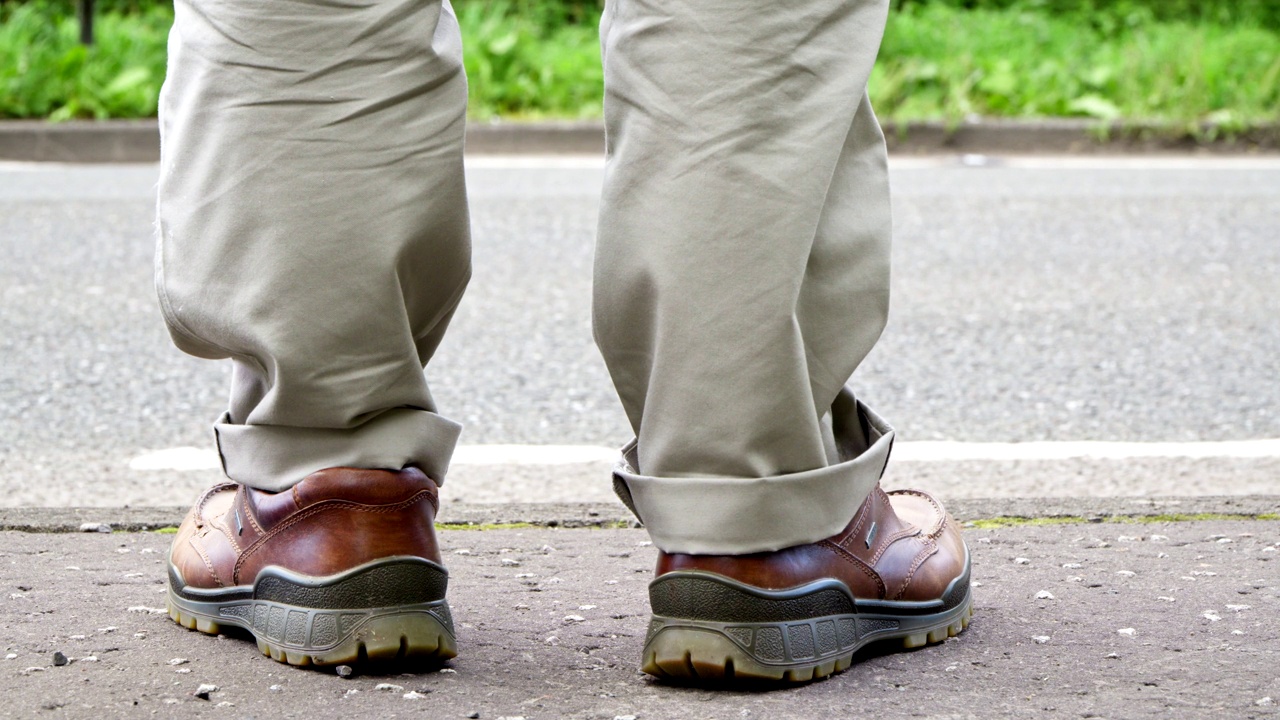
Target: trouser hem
<point>275,458</point>
<point>735,516</point>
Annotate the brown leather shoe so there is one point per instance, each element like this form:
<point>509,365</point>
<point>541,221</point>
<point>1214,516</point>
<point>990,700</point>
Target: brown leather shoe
<point>899,570</point>
<point>341,568</point>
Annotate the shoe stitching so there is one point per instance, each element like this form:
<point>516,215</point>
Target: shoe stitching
<point>324,506</point>
<point>929,550</point>
<point>863,513</point>
<point>938,510</point>
<point>248,511</point>
<point>221,524</point>
<point>204,498</point>
<point>857,563</point>
<point>207,563</point>
<point>906,532</point>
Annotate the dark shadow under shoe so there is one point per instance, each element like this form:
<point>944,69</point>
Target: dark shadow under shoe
<point>898,572</point>
<point>342,568</point>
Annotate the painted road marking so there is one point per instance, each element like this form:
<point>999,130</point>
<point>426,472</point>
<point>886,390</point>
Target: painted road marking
<point>185,459</point>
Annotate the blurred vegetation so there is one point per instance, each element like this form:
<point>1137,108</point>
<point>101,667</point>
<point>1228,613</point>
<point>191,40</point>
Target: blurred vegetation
<point>1181,62</point>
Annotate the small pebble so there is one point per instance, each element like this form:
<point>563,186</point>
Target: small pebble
<point>108,629</point>
<point>1022,561</point>
<point>473,715</point>
<point>148,610</point>
<point>1265,702</point>
<point>413,695</point>
<point>633,717</point>
<point>1162,555</point>
<point>182,671</point>
<point>1225,540</point>
<point>350,692</point>
<point>1159,538</point>
<point>388,687</point>
<point>1211,616</point>
<point>32,669</point>
<point>1072,566</point>
<point>1165,598</point>
<point>226,703</point>
<point>509,562</point>
<point>343,671</point>
<point>593,607</point>
<point>552,640</point>
<point>573,618</point>
<point>1112,656</point>
<point>88,658</point>
<point>95,527</point>
<point>1126,573</point>
<point>1040,639</point>
<point>276,688</point>
<point>59,659</point>
<point>1269,549</point>
<point>1237,632</point>
<point>1127,632</point>
<point>205,690</point>
<point>462,551</point>
<point>76,637</point>
<point>449,671</point>
<point>179,661</point>
<point>11,656</point>
<point>1044,595</point>
<point>1237,608</point>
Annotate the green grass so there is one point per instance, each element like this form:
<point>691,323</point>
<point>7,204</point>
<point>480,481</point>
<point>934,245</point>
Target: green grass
<point>45,72</point>
<point>943,63</point>
<point>1173,62</point>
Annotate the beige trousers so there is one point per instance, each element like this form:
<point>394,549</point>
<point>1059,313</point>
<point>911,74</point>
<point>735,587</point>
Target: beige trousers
<point>312,227</point>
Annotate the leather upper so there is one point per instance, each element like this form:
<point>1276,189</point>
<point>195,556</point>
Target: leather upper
<point>898,546</point>
<point>331,521</point>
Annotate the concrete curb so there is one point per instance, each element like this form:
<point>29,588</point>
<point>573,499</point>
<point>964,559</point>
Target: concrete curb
<point>129,141</point>
<point>583,515</point>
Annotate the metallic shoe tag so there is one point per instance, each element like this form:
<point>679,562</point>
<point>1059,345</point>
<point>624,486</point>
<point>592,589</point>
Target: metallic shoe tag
<point>871,534</point>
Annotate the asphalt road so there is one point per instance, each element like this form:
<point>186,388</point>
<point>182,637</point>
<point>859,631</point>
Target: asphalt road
<point>1114,300</point>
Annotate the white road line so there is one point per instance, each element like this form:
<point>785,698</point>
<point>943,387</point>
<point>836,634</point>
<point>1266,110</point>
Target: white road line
<point>532,454</point>
<point>185,459</point>
<point>949,451</point>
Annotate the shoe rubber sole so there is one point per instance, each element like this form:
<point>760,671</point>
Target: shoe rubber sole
<point>795,635</point>
<point>389,609</point>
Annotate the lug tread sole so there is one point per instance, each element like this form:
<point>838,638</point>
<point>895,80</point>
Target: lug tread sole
<point>689,653</point>
<point>415,635</point>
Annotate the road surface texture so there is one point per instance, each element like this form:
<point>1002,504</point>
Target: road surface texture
<point>1110,620</point>
<point>1118,300</point>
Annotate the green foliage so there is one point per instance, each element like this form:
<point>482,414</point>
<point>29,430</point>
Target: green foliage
<point>943,62</point>
<point>1177,61</point>
<point>530,58</point>
<point>45,72</point>
<point>1114,13</point>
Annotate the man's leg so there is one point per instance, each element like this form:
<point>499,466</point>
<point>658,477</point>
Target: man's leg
<point>742,275</point>
<point>313,228</point>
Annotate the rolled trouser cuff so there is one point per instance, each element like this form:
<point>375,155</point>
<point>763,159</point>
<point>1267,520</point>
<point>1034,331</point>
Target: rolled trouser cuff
<point>735,516</point>
<point>275,457</point>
